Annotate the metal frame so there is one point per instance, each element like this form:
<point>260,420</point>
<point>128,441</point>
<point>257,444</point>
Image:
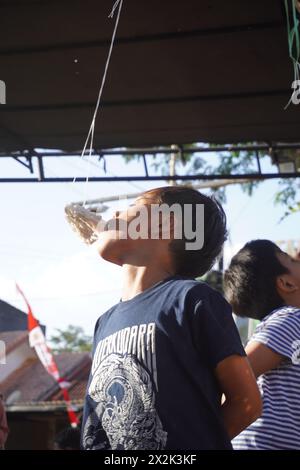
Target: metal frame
<point>25,159</point>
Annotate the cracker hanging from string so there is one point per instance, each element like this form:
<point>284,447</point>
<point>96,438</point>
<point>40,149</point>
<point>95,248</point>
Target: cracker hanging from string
<point>86,223</point>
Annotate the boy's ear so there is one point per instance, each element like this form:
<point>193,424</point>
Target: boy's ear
<point>285,284</point>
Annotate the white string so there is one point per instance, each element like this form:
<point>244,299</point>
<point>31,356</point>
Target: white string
<point>90,136</point>
<point>111,15</point>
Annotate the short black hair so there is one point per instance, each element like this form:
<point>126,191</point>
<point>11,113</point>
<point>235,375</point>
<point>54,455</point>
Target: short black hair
<point>250,281</point>
<point>68,438</point>
<point>194,263</point>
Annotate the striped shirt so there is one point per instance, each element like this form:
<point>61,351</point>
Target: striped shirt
<point>279,426</point>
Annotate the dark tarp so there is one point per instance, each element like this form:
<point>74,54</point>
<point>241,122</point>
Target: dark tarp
<point>181,71</point>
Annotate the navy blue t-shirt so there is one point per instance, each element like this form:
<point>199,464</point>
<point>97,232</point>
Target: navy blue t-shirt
<point>152,384</point>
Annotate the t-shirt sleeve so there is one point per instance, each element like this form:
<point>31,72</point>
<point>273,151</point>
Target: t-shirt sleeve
<point>216,334</point>
<point>281,333</point>
<point>96,329</point>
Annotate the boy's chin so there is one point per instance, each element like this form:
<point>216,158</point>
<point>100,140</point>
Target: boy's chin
<point>109,250</point>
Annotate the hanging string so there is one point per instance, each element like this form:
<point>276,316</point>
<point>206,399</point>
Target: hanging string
<point>111,15</point>
<point>90,137</point>
<point>293,40</point>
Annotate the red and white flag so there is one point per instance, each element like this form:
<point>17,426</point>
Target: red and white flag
<point>37,341</point>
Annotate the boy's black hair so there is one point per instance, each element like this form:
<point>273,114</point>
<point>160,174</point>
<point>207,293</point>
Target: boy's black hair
<point>250,280</point>
<point>194,263</point>
<point>68,438</point>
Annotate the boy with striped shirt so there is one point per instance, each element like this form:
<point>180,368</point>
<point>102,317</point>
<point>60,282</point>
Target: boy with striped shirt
<point>263,282</point>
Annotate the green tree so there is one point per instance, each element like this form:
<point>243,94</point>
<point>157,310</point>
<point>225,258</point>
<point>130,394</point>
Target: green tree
<point>71,339</point>
<point>233,162</point>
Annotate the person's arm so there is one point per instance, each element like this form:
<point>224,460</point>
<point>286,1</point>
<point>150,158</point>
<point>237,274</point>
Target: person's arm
<point>275,341</point>
<point>243,403</point>
<point>262,358</point>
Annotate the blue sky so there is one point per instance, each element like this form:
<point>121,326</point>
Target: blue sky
<point>65,281</point>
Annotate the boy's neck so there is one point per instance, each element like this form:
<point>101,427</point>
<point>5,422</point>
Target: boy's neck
<point>292,301</point>
<point>136,279</point>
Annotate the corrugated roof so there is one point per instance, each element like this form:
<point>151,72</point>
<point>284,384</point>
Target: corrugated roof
<point>31,382</point>
<point>12,339</point>
<point>181,72</point>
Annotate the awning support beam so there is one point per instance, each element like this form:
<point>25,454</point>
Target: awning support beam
<point>268,148</point>
<point>199,177</point>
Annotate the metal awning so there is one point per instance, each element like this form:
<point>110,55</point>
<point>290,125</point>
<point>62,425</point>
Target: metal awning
<point>181,72</point>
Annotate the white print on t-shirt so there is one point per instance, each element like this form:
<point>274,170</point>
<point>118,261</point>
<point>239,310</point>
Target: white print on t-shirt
<point>124,379</point>
<point>296,353</point>
<point>137,340</point>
